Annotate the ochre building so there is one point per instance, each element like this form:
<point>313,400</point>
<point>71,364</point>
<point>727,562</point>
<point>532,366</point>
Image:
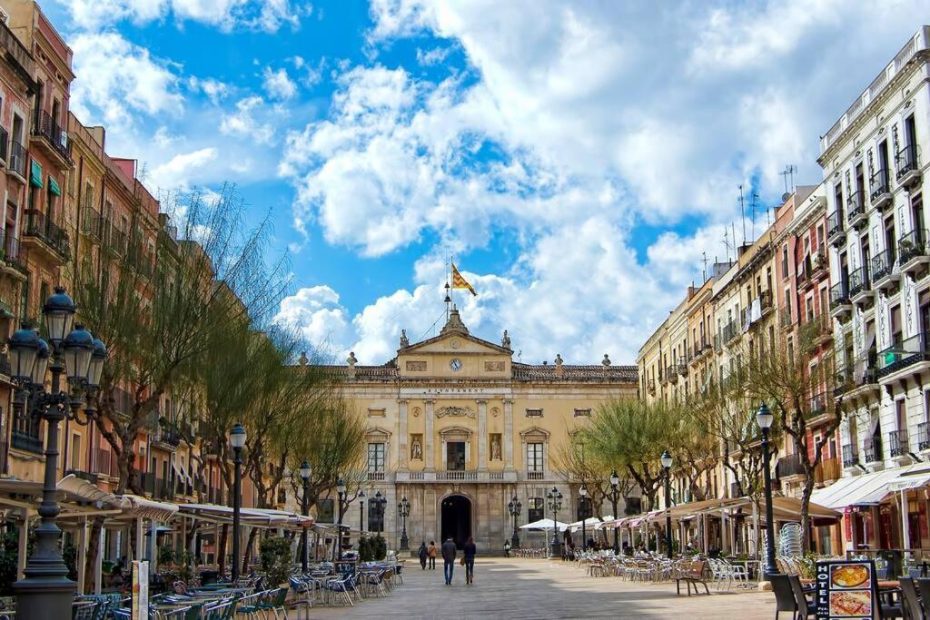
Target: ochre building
<point>459,428</point>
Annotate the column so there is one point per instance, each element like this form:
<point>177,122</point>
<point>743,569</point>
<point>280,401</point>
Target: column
<point>482,435</point>
<point>23,554</point>
<point>82,556</point>
<point>403,450</point>
<point>508,435</point>
<point>428,446</point>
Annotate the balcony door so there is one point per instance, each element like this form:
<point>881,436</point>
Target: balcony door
<point>917,217</point>
<point>455,456</point>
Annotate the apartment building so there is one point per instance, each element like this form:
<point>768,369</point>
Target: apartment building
<point>874,167</point>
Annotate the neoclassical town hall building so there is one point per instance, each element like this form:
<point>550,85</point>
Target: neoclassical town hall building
<point>459,428</point>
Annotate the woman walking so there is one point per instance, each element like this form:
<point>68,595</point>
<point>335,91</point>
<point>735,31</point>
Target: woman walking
<point>421,552</point>
<point>470,550</point>
<point>431,552</point>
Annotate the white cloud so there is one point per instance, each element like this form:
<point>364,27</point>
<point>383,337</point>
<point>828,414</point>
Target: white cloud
<point>265,15</point>
<point>182,170</point>
<point>215,90</point>
<point>125,81</point>
<point>278,84</point>
<point>243,122</point>
<point>316,312</point>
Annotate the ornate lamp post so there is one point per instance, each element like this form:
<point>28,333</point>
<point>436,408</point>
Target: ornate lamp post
<point>583,493</point>
<point>361,511</point>
<point>304,510</point>
<point>614,496</point>
<point>46,592</point>
<point>403,508</point>
<point>237,441</point>
<point>341,492</point>
<point>514,507</point>
<point>764,419</point>
<point>379,502</point>
<point>666,459</point>
<point>555,504</point>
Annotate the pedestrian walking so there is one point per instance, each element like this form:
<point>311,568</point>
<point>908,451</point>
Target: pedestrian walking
<point>507,548</point>
<point>448,559</point>
<point>422,553</point>
<point>431,553</point>
<point>469,550</point>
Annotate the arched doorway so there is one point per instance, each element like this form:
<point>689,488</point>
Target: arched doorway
<point>456,519</point>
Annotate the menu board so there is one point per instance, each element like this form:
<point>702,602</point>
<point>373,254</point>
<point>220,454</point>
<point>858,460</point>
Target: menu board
<point>847,589</point>
<point>140,590</point>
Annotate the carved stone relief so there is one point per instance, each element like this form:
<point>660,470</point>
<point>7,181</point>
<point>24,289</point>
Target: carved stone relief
<point>455,412</point>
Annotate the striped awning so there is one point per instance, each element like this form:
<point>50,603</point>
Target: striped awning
<point>35,174</point>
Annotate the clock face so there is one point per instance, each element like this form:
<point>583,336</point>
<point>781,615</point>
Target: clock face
<point>455,364</point>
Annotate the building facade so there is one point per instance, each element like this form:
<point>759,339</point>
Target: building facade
<point>459,428</point>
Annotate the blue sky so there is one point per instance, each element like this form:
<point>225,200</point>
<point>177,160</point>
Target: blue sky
<point>577,159</point>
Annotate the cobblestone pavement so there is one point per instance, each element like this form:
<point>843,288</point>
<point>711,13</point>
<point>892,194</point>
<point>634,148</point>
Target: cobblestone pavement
<point>518,588</point>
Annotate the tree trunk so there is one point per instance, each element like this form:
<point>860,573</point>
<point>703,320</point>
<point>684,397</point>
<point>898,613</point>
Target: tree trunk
<point>93,546</point>
<point>247,556</point>
<point>805,513</point>
<point>221,549</point>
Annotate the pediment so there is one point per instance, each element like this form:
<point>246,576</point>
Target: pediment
<point>455,343</point>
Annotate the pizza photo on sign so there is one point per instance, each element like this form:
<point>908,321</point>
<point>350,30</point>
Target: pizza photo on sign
<point>851,604</point>
<point>849,576</point>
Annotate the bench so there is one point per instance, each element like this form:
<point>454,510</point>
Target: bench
<point>692,575</point>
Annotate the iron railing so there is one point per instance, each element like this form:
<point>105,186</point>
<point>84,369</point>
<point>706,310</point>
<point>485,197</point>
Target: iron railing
<point>855,205</point>
<point>903,354</point>
<point>923,436</point>
<point>835,222</point>
<point>18,156</point>
<point>897,443</point>
<point>878,183</point>
<point>789,465</point>
<point>912,245</point>
<point>872,450</point>
<point>39,225</point>
<point>883,264</point>
<point>48,128</point>
<point>839,294</point>
<point>859,281</point>
<point>906,160</point>
<point>850,456</point>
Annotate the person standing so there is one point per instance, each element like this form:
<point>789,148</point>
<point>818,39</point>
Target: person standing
<point>470,550</point>
<point>422,553</point>
<point>448,559</point>
<point>431,552</point>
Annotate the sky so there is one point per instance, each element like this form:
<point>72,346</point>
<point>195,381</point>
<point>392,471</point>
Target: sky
<point>578,160</point>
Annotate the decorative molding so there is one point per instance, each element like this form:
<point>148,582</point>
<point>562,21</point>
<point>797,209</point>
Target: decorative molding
<point>416,365</point>
<point>455,412</point>
<point>376,434</point>
<point>496,366</point>
<point>377,413</point>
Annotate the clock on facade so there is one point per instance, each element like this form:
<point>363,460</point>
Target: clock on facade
<point>455,364</point>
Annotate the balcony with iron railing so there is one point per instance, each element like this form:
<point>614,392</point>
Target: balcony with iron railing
<point>850,455</point>
<point>862,372</point>
<point>26,441</point>
<point>840,302</point>
<point>855,209</point>
<point>671,373</point>
<point>817,405</point>
<point>92,224</point>
<point>859,285</point>
<point>788,466</point>
<point>835,232</point>
<point>53,139</point>
<point>14,254</point>
<point>902,355</point>
<point>883,272</point>
<point>4,144</point>
<point>17,160</point>
<point>815,330</point>
<point>923,436</point>
<point>912,250</point>
<point>897,443</point>
<point>907,165</point>
<point>785,319</point>
<point>730,331</point>
<point>53,237</point>
<point>881,189</point>
<point>872,450</point>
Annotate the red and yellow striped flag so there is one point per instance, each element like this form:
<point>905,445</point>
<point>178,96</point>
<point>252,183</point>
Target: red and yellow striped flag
<point>459,282</point>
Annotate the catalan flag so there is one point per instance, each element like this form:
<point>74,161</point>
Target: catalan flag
<point>459,282</point>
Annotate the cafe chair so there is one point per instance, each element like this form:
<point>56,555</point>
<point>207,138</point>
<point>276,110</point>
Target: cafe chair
<point>784,596</point>
<point>910,601</point>
<point>805,608</point>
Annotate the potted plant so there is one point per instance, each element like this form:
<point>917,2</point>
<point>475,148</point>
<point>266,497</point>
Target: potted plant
<point>275,554</point>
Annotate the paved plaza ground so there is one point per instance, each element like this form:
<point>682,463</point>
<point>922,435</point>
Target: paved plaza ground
<point>524,588</point>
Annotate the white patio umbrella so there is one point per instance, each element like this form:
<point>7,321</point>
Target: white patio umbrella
<point>589,523</point>
<point>544,524</point>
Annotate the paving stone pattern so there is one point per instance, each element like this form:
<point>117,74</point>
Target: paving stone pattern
<point>523,588</point>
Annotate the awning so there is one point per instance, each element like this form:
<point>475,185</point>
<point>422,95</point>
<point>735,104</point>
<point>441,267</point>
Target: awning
<point>870,488</point>
<point>142,508</point>
<point>53,187</point>
<point>35,174</point>
<point>589,523</point>
<point>253,517</point>
<point>545,524</point>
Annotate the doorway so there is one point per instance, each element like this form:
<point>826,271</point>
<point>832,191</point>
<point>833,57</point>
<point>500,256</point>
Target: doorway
<point>456,519</point>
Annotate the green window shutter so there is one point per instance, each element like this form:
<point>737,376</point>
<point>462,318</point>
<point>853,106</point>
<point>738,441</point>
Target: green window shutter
<point>53,187</point>
<point>35,176</point>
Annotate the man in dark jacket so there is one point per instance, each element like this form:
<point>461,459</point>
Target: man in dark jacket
<point>448,559</point>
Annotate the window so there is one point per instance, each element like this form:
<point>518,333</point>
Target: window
<point>455,456</point>
<point>376,457</point>
<point>536,413</point>
<point>582,413</point>
<point>535,509</point>
<point>324,510</point>
<point>76,452</point>
<point>634,505</point>
<point>26,431</point>
<point>784,261</point>
<point>375,517</point>
<point>534,457</point>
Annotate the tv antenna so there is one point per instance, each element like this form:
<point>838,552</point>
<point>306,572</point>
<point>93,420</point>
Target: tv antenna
<point>742,214</point>
<point>788,175</point>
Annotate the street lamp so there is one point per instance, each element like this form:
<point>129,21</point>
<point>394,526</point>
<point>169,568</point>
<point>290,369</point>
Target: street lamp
<point>305,510</point>
<point>764,419</point>
<point>583,492</point>
<point>237,441</point>
<point>554,498</point>
<point>379,502</point>
<point>337,545</point>
<point>361,512</point>
<point>614,496</point>
<point>46,592</point>
<point>666,460</point>
<point>403,509</point>
<point>514,506</point>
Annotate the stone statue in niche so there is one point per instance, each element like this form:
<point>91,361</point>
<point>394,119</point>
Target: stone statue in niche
<point>495,447</point>
<point>416,448</point>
